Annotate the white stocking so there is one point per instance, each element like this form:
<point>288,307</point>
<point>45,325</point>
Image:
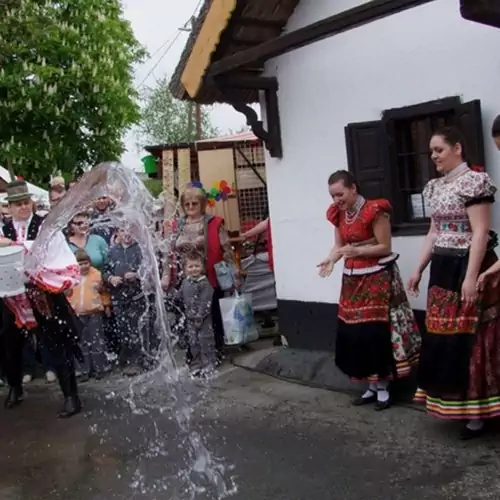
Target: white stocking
<point>382,392</point>
<point>372,389</point>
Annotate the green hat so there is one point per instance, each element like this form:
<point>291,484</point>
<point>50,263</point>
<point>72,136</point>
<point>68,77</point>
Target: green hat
<point>17,191</point>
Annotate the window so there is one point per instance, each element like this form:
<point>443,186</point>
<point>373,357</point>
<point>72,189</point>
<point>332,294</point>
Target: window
<point>390,157</point>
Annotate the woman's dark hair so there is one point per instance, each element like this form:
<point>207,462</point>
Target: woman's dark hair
<point>346,177</point>
<point>452,136</point>
<point>495,128</point>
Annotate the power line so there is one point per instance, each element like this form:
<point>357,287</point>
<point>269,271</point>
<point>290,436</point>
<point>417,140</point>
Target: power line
<point>170,45</point>
<point>188,26</point>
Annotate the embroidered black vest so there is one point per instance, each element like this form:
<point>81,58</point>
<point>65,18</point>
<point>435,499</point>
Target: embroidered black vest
<point>9,231</point>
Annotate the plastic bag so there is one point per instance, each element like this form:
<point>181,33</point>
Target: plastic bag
<point>225,275</point>
<point>237,317</point>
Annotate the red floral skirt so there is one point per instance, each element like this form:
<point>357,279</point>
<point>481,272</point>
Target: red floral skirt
<point>377,337</point>
<point>459,370</point>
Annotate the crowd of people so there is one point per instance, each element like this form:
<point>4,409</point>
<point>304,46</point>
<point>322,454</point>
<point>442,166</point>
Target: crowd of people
<point>457,358</point>
<point>105,316</point>
<point>88,324</point>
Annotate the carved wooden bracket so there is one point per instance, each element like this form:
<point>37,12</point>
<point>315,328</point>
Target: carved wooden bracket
<point>270,137</point>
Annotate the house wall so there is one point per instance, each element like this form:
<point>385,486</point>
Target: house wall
<point>422,54</point>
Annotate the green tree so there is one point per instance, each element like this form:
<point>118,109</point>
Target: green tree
<point>66,84</point>
<point>166,120</point>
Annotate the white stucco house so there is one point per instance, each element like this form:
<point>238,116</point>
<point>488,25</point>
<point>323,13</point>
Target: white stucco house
<point>347,84</point>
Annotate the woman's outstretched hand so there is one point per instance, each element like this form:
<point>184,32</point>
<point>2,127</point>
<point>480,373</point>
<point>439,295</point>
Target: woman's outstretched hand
<point>325,268</point>
<point>413,284</point>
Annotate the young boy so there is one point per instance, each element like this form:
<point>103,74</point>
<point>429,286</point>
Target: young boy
<point>91,302</point>
<point>128,299</point>
<point>196,295</point>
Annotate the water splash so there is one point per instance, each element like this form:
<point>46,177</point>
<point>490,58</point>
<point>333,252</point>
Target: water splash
<point>203,473</point>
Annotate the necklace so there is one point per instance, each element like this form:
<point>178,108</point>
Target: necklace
<point>352,215</point>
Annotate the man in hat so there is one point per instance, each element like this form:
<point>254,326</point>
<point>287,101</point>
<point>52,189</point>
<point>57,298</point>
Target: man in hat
<point>56,321</point>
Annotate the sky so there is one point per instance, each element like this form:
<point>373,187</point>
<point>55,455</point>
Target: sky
<point>155,23</point>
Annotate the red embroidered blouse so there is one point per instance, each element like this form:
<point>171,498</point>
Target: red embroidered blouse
<point>360,230</point>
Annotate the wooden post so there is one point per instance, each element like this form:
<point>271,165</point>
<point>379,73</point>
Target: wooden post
<point>184,168</point>
<point>168,172</point>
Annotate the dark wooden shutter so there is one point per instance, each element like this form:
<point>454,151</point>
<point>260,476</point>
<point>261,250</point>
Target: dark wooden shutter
<point>366,158</point>
<point>468,120</point>
<point>482,11</point>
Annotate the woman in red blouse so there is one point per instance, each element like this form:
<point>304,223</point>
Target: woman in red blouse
<point>378,339</point>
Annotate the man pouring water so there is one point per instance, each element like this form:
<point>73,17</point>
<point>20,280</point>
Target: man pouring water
<point>39,303</point>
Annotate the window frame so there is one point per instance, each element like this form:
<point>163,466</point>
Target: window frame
<point>390,118</point>
<point>466,116</point>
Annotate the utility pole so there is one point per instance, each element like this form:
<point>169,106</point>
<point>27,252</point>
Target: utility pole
<point>190,109</point>
<point>198,121</point>
<point>196,105</point>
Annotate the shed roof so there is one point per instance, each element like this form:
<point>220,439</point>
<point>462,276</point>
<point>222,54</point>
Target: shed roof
<point>223,28</point>
<point>214,142</point>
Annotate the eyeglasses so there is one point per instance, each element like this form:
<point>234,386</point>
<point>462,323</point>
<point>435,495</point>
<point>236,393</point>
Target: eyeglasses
<point>80,223</point>
<point>189,204</point>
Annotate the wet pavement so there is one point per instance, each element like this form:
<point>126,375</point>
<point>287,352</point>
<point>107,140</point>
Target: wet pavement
<point>278,440</point>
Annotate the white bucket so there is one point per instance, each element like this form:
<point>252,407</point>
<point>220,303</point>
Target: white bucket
<point>11,271</point>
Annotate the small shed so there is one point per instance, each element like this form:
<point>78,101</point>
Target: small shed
<point>237,159</point>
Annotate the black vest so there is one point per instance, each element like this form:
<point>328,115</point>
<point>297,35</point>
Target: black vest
<point>9,231</point>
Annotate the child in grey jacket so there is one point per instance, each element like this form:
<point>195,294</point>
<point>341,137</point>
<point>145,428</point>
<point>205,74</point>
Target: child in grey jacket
<point>196,295</point>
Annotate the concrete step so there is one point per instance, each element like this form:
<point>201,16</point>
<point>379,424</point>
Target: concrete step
<point>313,368</point>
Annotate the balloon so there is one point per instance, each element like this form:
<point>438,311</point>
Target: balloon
<point>197,184</point>
<point>226,190</point>
<point>223,185</point>
<point>224,195</point>
<point>211,203</point>
<point>218,197</point>
<point>214,191</point>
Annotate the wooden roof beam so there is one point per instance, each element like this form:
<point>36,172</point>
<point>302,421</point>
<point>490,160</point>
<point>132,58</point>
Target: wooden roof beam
<point>333,25</point>
<point>255,22</point>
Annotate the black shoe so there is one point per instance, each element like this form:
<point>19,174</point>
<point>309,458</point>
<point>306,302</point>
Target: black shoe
<point>468,434</point>
<point>14,398</point>
<point>365,401</point>
<point>383,405</point>
<point>72,406</point>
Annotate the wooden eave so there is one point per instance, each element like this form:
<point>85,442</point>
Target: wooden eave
<point>225,27</point>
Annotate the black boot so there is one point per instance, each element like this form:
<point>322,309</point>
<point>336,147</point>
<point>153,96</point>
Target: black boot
<point>15,397</point>
<point>72,404</point>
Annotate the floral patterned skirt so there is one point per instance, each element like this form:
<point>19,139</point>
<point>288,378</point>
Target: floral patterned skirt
<point>378,337</point>
<point>459,371</point>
